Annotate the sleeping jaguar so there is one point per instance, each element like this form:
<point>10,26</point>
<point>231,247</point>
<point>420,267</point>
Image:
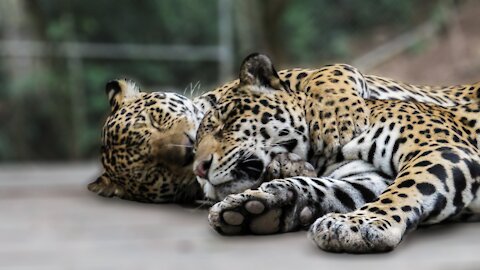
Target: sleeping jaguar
<point>147,139</point>
<point>425,156</point>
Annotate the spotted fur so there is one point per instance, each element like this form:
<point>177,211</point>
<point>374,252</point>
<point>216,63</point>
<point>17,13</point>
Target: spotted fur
<point>429,152</point>
<point>149,135</point>
<point>147,146</point>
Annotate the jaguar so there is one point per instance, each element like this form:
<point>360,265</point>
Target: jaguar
<point>426,155</point>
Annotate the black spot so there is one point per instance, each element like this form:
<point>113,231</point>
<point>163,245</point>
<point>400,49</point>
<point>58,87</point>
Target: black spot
<point>256,109</point>
<point>460,184</point>
<point>386,201</point>
<point>439,171</point>
<point>451,157</point>
<point>337,73</point>
<point>371,152</point>
<point>426,188</point>
<point>377,133</point>
<point>301,75</point>
<point>406,184</point>
<point>150,102</point>
<point>423,163</point>
<point>264,133</point>
<point>391,126</point>
<point>264,102</point>
<point>381,212</point>
<point>396,218</point>
<point>266,117</point>
<point>333,80</point>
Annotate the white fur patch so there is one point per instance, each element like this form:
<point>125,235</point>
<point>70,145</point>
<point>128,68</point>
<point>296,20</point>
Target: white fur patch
<point>130,89</point>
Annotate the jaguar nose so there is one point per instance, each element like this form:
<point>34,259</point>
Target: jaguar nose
<point>201,170</point>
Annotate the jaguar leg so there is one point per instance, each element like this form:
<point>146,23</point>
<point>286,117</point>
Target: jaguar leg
<point>290,204</point>
<point>435,186</point>
<point>286,165</point>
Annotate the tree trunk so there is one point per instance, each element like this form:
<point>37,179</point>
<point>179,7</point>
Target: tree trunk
<point>258,28</point>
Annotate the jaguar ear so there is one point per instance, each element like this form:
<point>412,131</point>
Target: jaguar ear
<point>120,90</point>
<point>257,69</point>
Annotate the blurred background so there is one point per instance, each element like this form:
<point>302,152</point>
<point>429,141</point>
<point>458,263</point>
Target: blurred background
<point>56,55</point>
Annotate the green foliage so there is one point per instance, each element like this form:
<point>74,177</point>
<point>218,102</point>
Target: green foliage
<point>323,29</point>
<point>147,21</point>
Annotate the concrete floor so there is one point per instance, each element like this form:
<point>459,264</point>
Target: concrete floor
<point>50,221</point>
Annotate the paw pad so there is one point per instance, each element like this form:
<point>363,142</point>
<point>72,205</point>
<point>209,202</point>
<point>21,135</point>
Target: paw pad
<point>246,214</point>
<point>255,207</point>
<point>306,216</point>
<point>266,223</point>
<point>233,218</point>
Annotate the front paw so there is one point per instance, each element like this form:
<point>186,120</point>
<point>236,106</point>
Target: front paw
<point>286,165</point>
<point>339,126</point>
<point>259,212</point>
<point>106,188</point>
<point>354,233</point>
